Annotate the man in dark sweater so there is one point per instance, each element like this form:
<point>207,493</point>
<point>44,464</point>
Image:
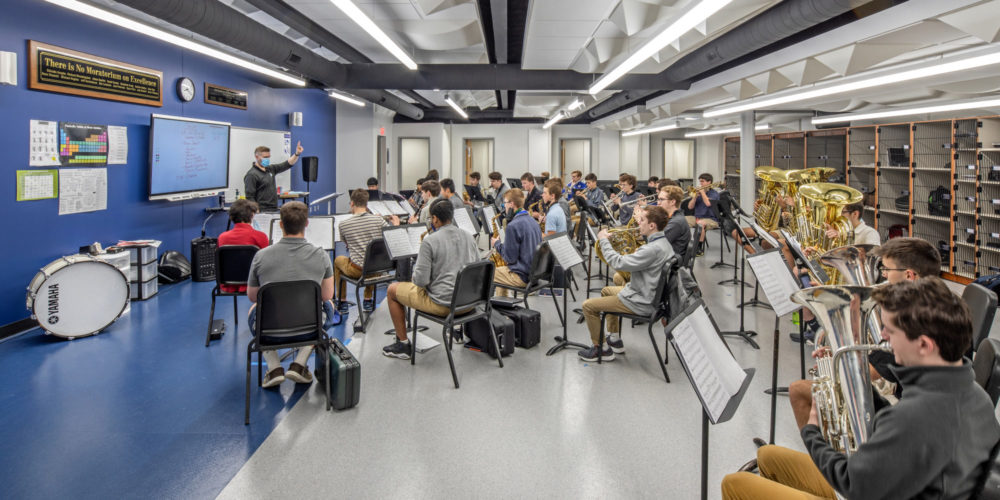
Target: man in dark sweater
<point>678,233</point>
<point>532,195</point>
<point>521,238</point>
<point>259,181</point>
<point>935,443</point>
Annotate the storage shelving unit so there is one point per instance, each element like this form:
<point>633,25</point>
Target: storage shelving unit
<point>966,187</point>
<point>828,148</point>
<point>892,169</point>
<point>861,158</point>
<point>789,151</point>
<point>988,157</point>
<point>932,171</point>
<point>732,166</point>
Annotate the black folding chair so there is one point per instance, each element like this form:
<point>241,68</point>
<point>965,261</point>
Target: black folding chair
<point>661,300</point>
<point>986,366</point>
<point>539,277</point>
<point>689,254</point>
<point>982,304</point>
<point>473,289</point>
<point>232,268</point>
<point>289,315</point>
<point>374,272</point>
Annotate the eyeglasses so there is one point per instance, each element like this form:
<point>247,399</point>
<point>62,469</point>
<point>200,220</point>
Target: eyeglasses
<point>885,270</point>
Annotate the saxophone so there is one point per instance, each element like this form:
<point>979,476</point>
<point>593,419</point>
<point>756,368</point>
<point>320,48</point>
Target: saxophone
<point>841,382</point>
<point>494,255</point>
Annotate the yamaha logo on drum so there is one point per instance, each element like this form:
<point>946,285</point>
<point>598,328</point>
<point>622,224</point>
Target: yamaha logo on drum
<point>53,304</point>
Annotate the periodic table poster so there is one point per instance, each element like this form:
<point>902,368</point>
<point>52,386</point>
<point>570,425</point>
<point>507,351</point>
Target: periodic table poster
<point>82,145</point>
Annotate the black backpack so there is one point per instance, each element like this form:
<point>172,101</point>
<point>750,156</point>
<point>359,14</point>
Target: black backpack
<point>937,202</point>
<point>903,203</point>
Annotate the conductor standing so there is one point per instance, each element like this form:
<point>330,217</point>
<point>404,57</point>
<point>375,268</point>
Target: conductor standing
<point>259,183</point>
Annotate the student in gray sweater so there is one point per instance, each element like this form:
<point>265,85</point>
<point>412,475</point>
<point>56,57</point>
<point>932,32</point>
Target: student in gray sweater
<point>935,443</point>
<point>443,253</point>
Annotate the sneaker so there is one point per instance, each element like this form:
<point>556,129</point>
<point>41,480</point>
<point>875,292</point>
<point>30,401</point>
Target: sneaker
<point>299,374</point>
<point>616,344</point>
<point>274,377</point>
<point>591,354</point>
<point>798,339</point>
<point>368,305</point>
<point>701,250</point>
<point>398,349</point>
<point>456,336</point>
<point>344,307</point>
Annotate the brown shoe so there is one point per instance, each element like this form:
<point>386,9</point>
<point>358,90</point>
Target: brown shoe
<point>299,374</point>
<point>274,377</point>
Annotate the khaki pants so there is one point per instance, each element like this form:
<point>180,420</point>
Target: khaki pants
<point>708,223</point>
<point>608,302</point>
<point>619,279</point>
<point>416,297</point>
<point>505,276</point>
<point>342,265</point>
<point>784,474</point>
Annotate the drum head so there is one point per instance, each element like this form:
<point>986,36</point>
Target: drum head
<point>81,298</point>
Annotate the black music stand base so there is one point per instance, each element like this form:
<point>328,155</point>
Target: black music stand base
<point>562,342</point>
<point>743,333</point>
<point>755,302</point>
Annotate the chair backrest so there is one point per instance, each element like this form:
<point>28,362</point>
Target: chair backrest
<point>473,285</point>
<point>661,298</point>
<point>289,308</point>
<point>988,486</point>
<point>542,264</point>
<point>982,304</point>
<point>689,254</point>
<point>986,365</point>
<point>377,258</point>
<point>232,264</point>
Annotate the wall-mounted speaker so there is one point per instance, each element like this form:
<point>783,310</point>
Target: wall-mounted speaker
<point>310,168</point>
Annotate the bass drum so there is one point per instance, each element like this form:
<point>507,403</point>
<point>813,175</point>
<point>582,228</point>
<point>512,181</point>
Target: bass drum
<point>77,296</point>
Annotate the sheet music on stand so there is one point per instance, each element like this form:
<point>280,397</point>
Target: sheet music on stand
<point>393,207</point>
<point>488,214</point>
<point>262,222</point>
<point>319,231</point>
<point>761,232</point>
<point>799,254</point>
<point>717,378</point>
<point>378,208</point>
<point>776,280</point>
<point>463,219</point>
<point>398,242</point>
<point>337,221</point>
<point>563,250</point>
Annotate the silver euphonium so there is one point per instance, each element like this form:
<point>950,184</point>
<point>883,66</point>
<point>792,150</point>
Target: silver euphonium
<point>858,265</point>
<point>841,384</point>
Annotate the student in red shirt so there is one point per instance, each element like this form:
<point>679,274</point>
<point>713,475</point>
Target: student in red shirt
<point>241,212</point>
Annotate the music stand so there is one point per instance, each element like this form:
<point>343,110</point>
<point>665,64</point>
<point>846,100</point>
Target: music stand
<point>567,256</point>
<point>475,193</point>
<point>712,370</point>
<point>329,199</point>
<point>816,271</point>
<point>403,248</point>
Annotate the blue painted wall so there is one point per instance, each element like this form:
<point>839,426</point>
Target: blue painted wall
<point>35,233</point>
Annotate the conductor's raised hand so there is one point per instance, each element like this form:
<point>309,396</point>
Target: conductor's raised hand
<point>298,148</point>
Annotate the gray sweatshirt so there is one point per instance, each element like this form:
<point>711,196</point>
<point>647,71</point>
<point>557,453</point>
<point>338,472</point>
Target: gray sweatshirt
<point>443,254</point>
<point>645,264</point>
<point>933,444</point>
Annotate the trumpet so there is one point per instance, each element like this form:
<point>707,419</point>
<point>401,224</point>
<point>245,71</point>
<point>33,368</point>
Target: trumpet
<point>646,199</point>
<point>695,190</point>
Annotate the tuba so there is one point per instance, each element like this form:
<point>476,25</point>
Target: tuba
<point>774,188</point>
<point>624,240</point>
<point>494,255</point>
<point>857,265</point>
<point>841,384</point>
<point>822,206</point>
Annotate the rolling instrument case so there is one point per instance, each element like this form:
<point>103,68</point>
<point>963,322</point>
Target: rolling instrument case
<point>527,325</point>
<point>478,332</point>
<point>345,375</point>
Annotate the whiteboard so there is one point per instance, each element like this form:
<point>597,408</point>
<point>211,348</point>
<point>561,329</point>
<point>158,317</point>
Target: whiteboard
<point>242,142</point>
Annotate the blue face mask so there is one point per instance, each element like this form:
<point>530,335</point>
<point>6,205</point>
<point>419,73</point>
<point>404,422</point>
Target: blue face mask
<point>265,162</point>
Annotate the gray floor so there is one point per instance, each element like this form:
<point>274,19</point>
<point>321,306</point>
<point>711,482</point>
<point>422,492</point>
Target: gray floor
<point>541,427</point>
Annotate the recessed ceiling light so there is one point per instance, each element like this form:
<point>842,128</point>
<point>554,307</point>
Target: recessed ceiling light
<point>346,98</point>
<point>649,130</point>
<point>721,131</point>
<point>454,105</point>
<point>372,29</point>
<point>941,108</point>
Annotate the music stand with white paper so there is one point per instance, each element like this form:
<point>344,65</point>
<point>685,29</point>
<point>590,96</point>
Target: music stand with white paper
<point>337,221</point>
<point>567,256</point>
<point>465,221</point>
<point>775,278</point>
<point>488,214</point>
<point>393,207</point>
<point>812,265</point>
<point>398,242</point>
<point>319,231</point>
<point>379,208</point>
<point>718,380</point>
<point>761,232</point>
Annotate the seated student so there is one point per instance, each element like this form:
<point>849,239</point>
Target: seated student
<point>373,192</point>
<point>595,195</point>
<point>863,233</point>
<point>443,253</point>
<point>555,218</point>
<point>703,217</point>
<point>903,259</point>
<point>666,182</point>
<point>532,195</point>
<point>430,192</point>
<point>636,297</point>
<point>356,233</point>
<point>575,184</point>
<point>241,212</point>
<point>473,181</point>
<point>677,232</point>
<point>543,177</point>
<point>432,175</point>
<point>415,199</point>
<point>498,187</point>
<point>522,236</point>
<point>448,193</point>
<point>626,195</point>
<point>653,184</point>
<point>291,259</point>
<point>935,443</point>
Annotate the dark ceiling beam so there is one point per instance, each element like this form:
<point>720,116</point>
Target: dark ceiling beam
<point>489,32</point>
<point>294,19</point>
<point>447,115</point>
<point>486,77</point>
<point>517,24</point>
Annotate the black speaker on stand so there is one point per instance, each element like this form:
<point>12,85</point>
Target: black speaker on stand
<point>310,169</point>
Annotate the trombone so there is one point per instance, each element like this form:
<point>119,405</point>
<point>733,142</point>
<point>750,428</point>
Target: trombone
<point>650,198</point>
<point>694,190</point>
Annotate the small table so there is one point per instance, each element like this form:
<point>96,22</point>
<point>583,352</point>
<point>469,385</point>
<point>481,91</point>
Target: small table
<point>294,195</point>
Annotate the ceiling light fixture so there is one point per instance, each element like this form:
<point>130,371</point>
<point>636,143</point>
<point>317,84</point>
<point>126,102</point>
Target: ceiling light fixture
<point>682,25</point>
<point>888,77</point>
<point>372,29</point>
<point>346,98</point>
<point>552,121</point>
<point>124,22</point>
<point>721,131</point>
<point>958,106</point>
<point>650,130</point>
<point>447,99</point>
<point>577,103</point>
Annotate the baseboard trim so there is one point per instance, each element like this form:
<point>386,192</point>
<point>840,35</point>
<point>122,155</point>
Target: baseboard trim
<point>11,329</point>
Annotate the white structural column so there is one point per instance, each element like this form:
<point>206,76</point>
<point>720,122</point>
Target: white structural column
<point>748,142</point>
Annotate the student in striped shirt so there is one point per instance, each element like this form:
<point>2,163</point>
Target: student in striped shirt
<point>357,232</point>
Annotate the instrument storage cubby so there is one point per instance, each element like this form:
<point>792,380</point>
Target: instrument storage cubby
<point>861,155</point>
<point>988,158</point>
<point>931,174</point>
<point>895,198</point>
<point>790,151</point>
<point>763,151</point>
<point>827,148</point>
<point>965,179</point>
<point>732,167</point>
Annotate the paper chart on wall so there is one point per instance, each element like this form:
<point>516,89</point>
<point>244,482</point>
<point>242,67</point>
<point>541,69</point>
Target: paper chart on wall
<point>43,143</point>
<point>83,190</point>
<point>117,145</point>
<point>37,184</point>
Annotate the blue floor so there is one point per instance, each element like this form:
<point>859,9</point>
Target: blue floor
<point>142,410</point>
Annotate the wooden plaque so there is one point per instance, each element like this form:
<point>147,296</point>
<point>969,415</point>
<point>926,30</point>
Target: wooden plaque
<point>224,96</point>
<point>66,71</point>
